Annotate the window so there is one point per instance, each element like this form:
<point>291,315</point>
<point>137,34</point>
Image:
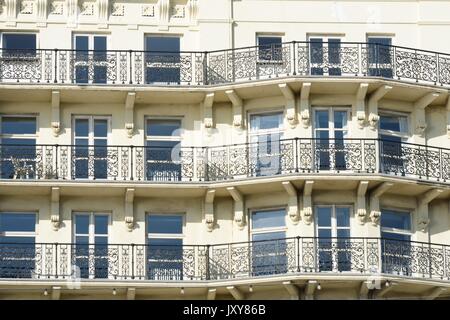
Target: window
<point>325,56</point>
<point>162,59</point>
<point>17,244</point>
<point>266,131</point>
<point>19,44</point>
<point>165,247</point>
<point>269,244</point>
<point>163,138</point>
<point>330,132</point>
<point>380,57</point>
<point>90,154</point>
<point>393,131</point>
<point>270,48</point>
<point>18,147</point>
<point>90,58</point>
<point>91,244</point>
<point>396,236</point>
<point>333,231</point>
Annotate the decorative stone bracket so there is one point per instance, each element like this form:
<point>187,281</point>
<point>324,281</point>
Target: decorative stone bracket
<point>11,12</point>
<point>129,113</point>
<point>164,14</point>
<point>129,209</point>
<point>373,105</point>
<point>41,12</point>
<point>55,217</point>
<point>361,210</point>
<point>238,198</point>
<point>238,106</point>
<point>305,105</point>
<point>307,213</point>
<point>422,208</point>
<point>361,105</point>
<point>419,111</point>
<point>207,110</point>
<point>56,106</point>
<point>289,95</point>
<point>209,209</point>
<point>103,13</point>
<point>375,213</point>
<point>292,202</point>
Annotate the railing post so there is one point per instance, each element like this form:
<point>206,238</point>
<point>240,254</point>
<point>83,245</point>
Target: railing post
<point>56,65</point>
<point>132,261</point>
<point>56,260</point>
<point>131,66</point>
<point>208,272</point>
<point>132,155</point>
<point>296,160</point>
<point>298,253</point>
<point>205,68</point>
<point>294,67</point>
<point>56,161</point>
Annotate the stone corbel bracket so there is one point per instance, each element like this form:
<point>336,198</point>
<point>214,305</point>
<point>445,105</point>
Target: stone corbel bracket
<point>373,105</point>
<point>375,213</point>
<point>56,105</point>
<point>164,14</point>
<point>238,198</point>
<point>305,112</point>
<point>289,95</point>
<point>448,117</point>
<point>307,212</point>
<point>129,208</point>
<point>293,211</point>
<point>72,13</point>
<point>238,106</point>
<point>423,201</point>
<point>41,13</point>
<point>129,113</point>
<point>361,104</point>
<point>11,12</point>
<point>55,216</point>
<point>193,12</point>
<point>208,111</point>
<point>103,13</point>
<point>361,211</point>
<point>209,209</point>
<point>419,110</point>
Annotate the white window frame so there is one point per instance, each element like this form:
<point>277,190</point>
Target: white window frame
<point>178,138</point>
<point>331,129</point>
<point>166,235</point>
<point>396,230</point>
<point>36,33</point>
<point>405,136</point>
<point>267,230</point>
<point>260,132</point>
<point>325,39</point>
<point>19,136</point>
<point>162,35</point>
<point>90,39</point>
<point>269,35</point>
<point>24,234</point>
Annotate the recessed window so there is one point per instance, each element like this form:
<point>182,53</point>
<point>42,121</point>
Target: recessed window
<point>394,123</point>
<point>325,54</point>
<point>380,54</point>
<point>270,48</point>
<point>90,58</point>
<point>162,56</point>
<point>165,224</point>
<point>19,44</point>
<point>396,224</point>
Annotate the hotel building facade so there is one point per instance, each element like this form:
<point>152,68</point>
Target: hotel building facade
<point>224,149</point>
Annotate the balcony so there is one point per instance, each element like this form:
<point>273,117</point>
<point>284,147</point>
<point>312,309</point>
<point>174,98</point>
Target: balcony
<point>128,67</point>
<point>288,256</point>
<point>224,163</point>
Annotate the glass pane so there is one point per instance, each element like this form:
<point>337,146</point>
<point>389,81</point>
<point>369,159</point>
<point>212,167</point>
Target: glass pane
<point>101,242</point>
<point>393,123</point>
<point>397,220</point>
<point>343,233</point>
<point>266,121</point>
<point>18,43</point>
<point>322,119</point>
<point>340,119</point>
<point>100,43</point>
<point>162,44</point>
<point>17,222</point>
<point>82,224</point>
<point>268,41</point>
<point>334,48</point>
<point>395,236</point>
<point>18,125</point>
<point>82,240</point>
<point>81,43</point>
<point>316,50</point>
<point>268,219</point>
<point>101,224</point>
<point>269,48</point>
<point>268,236</point>
<point>324,233</point>
<point>82,127</point>
<point>343,217</point>
<point>100,128</point>
<point>163,127</point>
<point>324,216</point>
<point>165,224</point>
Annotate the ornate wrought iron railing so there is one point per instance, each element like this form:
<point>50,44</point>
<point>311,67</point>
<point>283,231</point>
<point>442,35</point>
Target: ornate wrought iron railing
<point>300,255</point>
<point>239,161</point>
<point>301,58</point>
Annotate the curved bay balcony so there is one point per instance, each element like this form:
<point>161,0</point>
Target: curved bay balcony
<point>224,163</point>
<point>349,59</point>
<point>300,255</point>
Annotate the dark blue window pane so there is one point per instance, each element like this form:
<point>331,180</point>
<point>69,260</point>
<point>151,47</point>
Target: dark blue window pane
<point>316,50</point>
<point>19,44</point>
<point>397,220</point>
<point>81,127</point>
<point>18,125</point>
<point>396,236</point>
<point>165,224</point>
<point>100,48</point>
<point>343,217</point>
<point>393,123</point>
<point>162,44</point>
<point>82,224</point>
<point>334,51</point>
<point>324,216</point>
<point>163,127</point>
<point>101,224</point>
<point>100,128</point>
<point>269,219</point>
<point>268,236</point>
<point>164,53</point>
<point>270,48</point>
<point>17,222</point>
